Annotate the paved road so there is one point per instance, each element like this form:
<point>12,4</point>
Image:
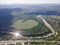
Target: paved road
<point>22,42</point>
<point>48,25</point>
<point>12,41</point>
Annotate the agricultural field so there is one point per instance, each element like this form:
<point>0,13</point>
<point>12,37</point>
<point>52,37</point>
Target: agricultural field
<point>43,43</point>
<point>22,24</point>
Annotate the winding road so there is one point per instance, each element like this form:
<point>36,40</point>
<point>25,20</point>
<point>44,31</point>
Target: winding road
<point>48,25</point>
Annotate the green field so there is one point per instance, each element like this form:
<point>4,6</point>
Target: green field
<point>22,24</point>
<point>43,43</point>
